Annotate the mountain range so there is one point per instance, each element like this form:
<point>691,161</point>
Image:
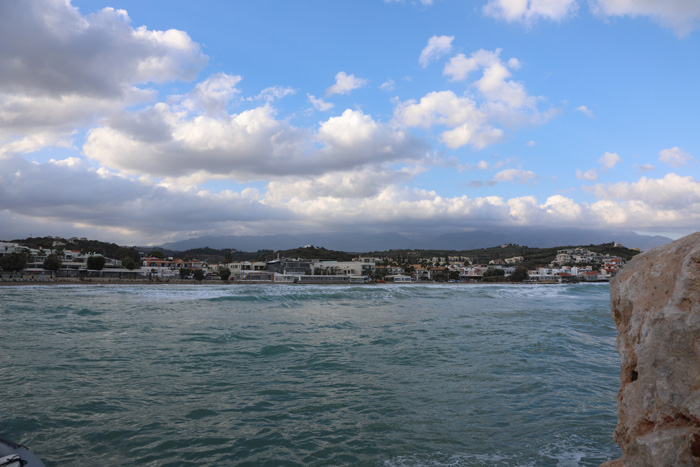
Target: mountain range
<point>359,242</point>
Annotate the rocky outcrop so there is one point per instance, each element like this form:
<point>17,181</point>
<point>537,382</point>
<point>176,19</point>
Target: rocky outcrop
<point>655,302</point>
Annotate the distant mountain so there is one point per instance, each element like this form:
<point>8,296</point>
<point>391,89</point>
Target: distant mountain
<point>364,242</point>
<point>351,242</point>
<point>545,238</point>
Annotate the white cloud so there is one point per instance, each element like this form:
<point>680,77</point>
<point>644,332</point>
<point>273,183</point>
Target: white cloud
<point>671,202</point>
<point>502,101</point>
<point>466,134</point>
<point>529,11</point>
<point>585,111</point>
<point>683,16</point>
<point>172,141</point>
<point>675,157</point>
<point>273,93</point>
<point>645,167</point>
<point>672,191</point>
<point>214,93</point>
<point>437,47</point>
<point>589,175</point>
<point>60,70</point>
<point>530,143</point>
<point>320,104</point>
<point>422,2</point>
<point>460,66</point>
<point>609,160</point>
<point>354,184</point>
<point>345,83</point>
<point>443,107</point>
<point>388,85</point>
<point>113,205</point>
<point>33,195</point>
<point>505,100</point>
<point>468,124</point>
<point>512,175</point>
<point>562,209</point>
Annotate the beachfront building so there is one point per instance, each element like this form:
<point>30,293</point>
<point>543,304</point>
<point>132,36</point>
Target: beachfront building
<point>169,268</point>
<point>9,248</point>
<point>292,266</point>
<point>336,268</point>
<point>369,264</point>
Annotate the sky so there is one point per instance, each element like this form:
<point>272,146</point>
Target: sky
<point>148,122</point>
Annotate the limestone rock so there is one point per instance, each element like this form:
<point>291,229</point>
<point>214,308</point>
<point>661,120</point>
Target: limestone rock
<point>655,302</point>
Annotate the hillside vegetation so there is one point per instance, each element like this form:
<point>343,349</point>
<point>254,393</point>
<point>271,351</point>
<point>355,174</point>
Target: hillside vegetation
<point>533,257</point>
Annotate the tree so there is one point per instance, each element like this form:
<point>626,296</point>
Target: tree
<point>157,254</point>
<point>198,275</point>
<point>494,275</point>
<point>96,262</point>
<point>228,258</point>
<point>519,275</point>
<point>53,262</point>
<point>224,273</point>
<point>123,253</point>
<point>184,272</point>
<point>129,263</point>
<point>13,262</point>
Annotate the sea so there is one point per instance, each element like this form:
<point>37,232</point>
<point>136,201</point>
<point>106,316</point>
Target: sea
<point>306,375</point>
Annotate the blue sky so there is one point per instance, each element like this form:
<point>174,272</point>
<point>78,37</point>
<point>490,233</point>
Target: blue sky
<point>145,122</point>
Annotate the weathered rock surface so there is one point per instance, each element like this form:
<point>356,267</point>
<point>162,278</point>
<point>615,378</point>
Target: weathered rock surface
<point>655,301</point>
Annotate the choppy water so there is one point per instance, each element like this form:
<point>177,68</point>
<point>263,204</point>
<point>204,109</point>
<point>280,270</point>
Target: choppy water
<point>391,375</point>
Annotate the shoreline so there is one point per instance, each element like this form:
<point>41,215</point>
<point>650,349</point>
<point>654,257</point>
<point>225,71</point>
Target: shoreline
<point>100,282</point>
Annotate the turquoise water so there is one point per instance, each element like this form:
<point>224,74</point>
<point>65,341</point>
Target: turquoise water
<point>390,375</point>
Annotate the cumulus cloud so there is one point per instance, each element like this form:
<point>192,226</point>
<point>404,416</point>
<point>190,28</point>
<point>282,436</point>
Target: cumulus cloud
<point>472,120</point>
<point>437,47</point>
<point>529,11</point>
<point>460,66</point>
<point>590,175</point>
<point>672,201</point>
<point>504,100</point>
<point>214,93</point>
<point>675,157</point>
<point>609,160</point>
<point>178,141</point>
<point>469,125</point>
<point>345,83</point>
<point>683,16</point>
<point>80,67</point>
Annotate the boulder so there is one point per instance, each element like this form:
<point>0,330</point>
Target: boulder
<point>655,302</point>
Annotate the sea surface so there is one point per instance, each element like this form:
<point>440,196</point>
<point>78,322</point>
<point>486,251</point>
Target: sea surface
<point>375,375</point>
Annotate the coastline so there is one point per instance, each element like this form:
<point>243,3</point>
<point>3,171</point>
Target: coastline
<point>100,282</point>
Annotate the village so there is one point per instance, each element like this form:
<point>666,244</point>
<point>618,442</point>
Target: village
<point>20,263</point>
